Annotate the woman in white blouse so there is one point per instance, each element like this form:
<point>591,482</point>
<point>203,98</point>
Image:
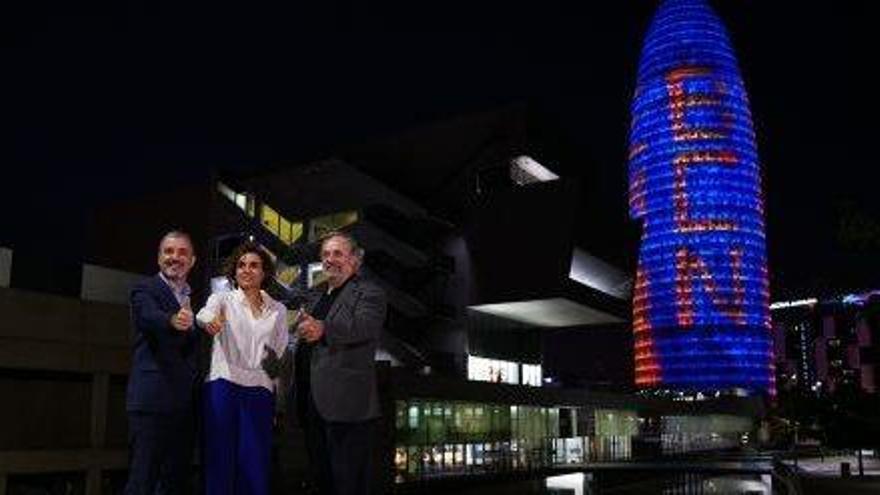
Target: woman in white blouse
<point>239,401</point>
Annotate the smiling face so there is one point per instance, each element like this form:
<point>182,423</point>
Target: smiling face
<point>176,258</point>
<point>249,272</point>
<point>339,260</point>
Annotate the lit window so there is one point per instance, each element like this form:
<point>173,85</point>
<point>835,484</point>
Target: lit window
<point>532,375</point>
<point>414,416</point>
<point>296,231</point>
<point>316,274</point>
<point>284,231</point>
<point>287,275</point>
<point>525,170</point>
<point>226,191</point>
<point>496,371</point>
<point>270,219</point>
<point>242,201</point>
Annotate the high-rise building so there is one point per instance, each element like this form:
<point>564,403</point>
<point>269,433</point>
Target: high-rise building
<point>701,302</point>
<point>829,345</point>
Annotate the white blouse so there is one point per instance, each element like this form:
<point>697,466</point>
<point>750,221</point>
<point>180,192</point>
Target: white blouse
<point>239,347</point>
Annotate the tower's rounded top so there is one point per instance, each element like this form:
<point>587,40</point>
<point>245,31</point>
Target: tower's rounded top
<point>685,33</point>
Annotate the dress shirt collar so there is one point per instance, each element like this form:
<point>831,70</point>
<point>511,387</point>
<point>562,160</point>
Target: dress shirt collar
<point>181,290</point>
<point>240,298</point>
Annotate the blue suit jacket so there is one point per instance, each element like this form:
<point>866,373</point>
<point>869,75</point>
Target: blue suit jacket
<point>164,365</point>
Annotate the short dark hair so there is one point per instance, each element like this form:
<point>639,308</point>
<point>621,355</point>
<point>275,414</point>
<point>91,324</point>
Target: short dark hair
<point>179,234</point>
<point>356,249</point>
<point>244,248</point>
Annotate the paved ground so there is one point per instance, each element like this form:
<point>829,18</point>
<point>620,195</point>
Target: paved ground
<point>821,476</point>
<point>830,466</point>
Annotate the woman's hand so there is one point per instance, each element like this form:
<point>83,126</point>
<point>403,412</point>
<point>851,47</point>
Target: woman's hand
<point>216,325</point>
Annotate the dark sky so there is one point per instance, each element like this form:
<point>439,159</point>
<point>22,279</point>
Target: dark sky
<point>109,98</point>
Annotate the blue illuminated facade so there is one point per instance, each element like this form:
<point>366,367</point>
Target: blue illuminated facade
<point>701,313</point>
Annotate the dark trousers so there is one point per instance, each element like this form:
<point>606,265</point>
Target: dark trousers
<point>316,444</point>
<point>350,449</point>
<point>340,453</point>
<point>160,452</point>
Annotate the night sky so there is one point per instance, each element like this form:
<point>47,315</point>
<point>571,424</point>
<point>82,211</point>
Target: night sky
<point>114,98</point>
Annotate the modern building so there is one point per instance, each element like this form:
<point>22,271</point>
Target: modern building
<point>464,274</point>
<point>701,302</point>
<point>795,327</point>
<point>474,299</point>
<point>830,345</point>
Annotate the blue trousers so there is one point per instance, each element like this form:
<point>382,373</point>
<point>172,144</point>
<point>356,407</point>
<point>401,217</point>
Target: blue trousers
<point>238,438</point>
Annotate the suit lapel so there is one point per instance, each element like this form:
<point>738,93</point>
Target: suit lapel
<point>168,299</point>
<point>313,297</point>
<point>343,296</point>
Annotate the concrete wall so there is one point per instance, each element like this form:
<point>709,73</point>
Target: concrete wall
<point>62,382</point>
<point>100,284</point>
<point>519,243</point>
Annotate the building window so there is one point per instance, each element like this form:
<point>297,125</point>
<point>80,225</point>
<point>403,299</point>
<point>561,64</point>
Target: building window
<point>316,274</point>
<point>414,417</point>
<point>287,275</point>
<point>286,231</point>
<point>532,375</point>
<point>243,201</point>
<point>289,232</point>
<point>498,371</point>
<point>270,219</point>
<point>226,191</point>
<point>525,170</point>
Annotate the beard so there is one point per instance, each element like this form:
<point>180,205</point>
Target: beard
<point>175,269</point>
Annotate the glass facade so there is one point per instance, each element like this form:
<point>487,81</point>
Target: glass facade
<point>681,434</point>
<point>454,438</point>
<point>447,438</point>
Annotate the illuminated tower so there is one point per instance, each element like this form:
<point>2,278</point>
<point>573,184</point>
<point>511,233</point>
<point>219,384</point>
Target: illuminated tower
<point>701,313</point>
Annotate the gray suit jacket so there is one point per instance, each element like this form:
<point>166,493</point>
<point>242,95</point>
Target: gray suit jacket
<point>343,373</point>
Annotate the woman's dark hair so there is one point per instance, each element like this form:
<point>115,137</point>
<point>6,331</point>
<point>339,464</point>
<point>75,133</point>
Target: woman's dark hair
<point>248,247</point>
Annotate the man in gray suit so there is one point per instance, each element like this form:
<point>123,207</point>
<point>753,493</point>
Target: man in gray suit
<point>340,330</point>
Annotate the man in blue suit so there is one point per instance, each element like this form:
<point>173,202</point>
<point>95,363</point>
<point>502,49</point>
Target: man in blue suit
<point>163,374</point>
